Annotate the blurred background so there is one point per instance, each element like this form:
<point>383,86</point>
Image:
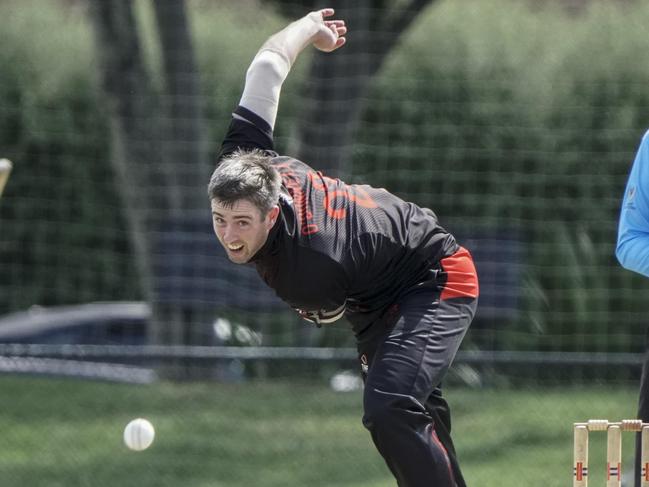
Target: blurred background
<point>515,121</point>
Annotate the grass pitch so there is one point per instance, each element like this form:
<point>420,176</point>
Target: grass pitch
<point>68,433</point>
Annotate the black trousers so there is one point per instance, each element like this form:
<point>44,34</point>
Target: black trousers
<point>643,409</point>
<point>403,368</point>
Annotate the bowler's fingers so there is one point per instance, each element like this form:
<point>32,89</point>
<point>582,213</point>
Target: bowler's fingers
<point>337,26</point>
<point>337,23</point>
<point>339,30</point>
<point>326,12</point>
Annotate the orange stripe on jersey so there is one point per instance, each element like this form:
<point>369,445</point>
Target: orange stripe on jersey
<point>462,279</point>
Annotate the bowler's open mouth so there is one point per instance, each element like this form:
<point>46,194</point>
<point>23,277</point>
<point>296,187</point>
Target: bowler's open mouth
<point>235,248</point>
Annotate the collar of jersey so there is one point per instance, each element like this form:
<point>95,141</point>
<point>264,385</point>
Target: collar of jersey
<point>271,246</point>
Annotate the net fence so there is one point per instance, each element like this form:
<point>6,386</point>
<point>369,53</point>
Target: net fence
<point>516,122</point>
<point>521,148</point>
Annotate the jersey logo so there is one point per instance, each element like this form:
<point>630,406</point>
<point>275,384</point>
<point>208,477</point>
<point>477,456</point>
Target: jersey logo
<point>352,193</point>
<point>630,198</point>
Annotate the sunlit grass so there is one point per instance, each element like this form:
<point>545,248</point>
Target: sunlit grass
<point>272,434</point>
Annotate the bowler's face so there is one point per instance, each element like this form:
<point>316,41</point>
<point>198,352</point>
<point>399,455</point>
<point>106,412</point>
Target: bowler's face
<point>241,228</point>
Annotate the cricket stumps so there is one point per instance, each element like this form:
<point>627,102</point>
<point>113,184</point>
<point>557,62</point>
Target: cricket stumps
<point>613,450</point>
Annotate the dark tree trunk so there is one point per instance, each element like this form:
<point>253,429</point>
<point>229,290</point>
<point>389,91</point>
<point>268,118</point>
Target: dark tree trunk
<point>186,136</point>
<point>132,113</point>
<point>337,82</point>
<point>159,149</point>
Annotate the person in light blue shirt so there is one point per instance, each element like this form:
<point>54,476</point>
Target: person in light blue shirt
<point>633,232</point>
<point>632,252</point>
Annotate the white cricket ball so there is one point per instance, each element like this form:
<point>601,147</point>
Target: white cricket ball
<point>139,434</point>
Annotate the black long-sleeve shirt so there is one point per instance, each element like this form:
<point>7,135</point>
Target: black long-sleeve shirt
<point>340,248</point>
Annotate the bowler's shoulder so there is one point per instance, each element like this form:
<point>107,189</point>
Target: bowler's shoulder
<point>285,163</point>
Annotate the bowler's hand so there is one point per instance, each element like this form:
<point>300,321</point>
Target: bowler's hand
<point>331,35</point>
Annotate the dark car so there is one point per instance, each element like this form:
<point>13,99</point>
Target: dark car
<point>108,323</point>
<point>28,339</point>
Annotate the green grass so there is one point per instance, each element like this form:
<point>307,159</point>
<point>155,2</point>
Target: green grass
<point>68,433</point>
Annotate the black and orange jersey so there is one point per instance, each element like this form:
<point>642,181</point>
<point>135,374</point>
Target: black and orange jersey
<point>340,248</point>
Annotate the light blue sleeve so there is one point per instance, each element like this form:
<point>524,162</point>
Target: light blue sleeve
<point>633,232</point>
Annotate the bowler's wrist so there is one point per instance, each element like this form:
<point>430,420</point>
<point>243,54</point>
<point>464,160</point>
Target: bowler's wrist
<point>294,38</point>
